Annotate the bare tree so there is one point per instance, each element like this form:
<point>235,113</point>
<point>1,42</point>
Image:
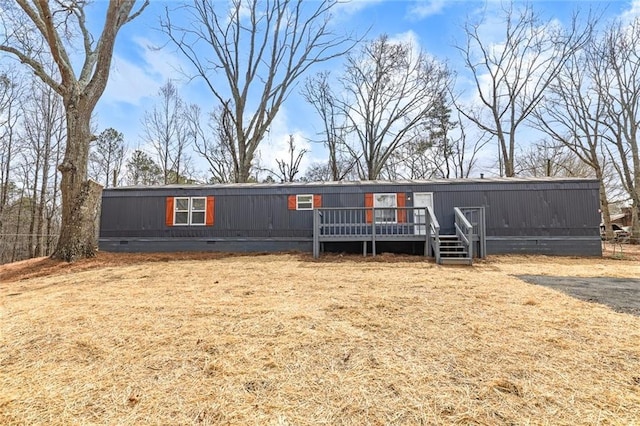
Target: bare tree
<point>19,248</point>
<point>572,115</point>
<point>215,142</point>
<point>465,148</point>
<point>106,157</point>
<point>317,91</point>
<point>318,172</point>
<point>418,158</point>
<point>31,117</point>
<point>390,91</point>
<point>167,130</point>
<point>619,86</point>
<point>42,126</point>
<point>438,147</point>
<point>322,172</point>
<point>52,200</point>
<point>289,168</point>
<point>52,28</point>
<point>261,48</point>
<point>11,96</point>
<point>512,77</point>
<point>548,159</point>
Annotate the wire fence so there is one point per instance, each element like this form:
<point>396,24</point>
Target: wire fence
<point>32,235</point>
<point>18,246</point>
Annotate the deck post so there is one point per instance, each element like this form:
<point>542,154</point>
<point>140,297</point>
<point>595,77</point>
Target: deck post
<point>373,232</point>
<point>483,233</point>
<point>364,241</point>
<point>316,231</point>
<point>427,233</point>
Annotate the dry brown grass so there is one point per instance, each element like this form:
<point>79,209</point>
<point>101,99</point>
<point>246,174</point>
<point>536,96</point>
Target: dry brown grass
<point>285,340</point>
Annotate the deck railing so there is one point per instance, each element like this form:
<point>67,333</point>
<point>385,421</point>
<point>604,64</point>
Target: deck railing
<point>369,224</point>
<point>433,244</point>
<point>464,231</point>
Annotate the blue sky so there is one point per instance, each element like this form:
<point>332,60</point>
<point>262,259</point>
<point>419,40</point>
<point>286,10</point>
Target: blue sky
<point>140,67</point>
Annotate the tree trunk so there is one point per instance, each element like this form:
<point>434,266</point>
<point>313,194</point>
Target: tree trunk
<point>635,192</point>
<point>39,250</point>
<point>16,238</point>
<point>635,220</point>
<point>79,222</point>
<point>80,93</point>
<point>606,214</point>
<point>51,214</point>
<point>5,173</point>
<point>245,168</point>
<point>508,154</point>
<point>80,197</point>
<point>33,208</point>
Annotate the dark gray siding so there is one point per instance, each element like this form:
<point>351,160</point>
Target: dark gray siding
<point>565,246</point>
<point>522,216</point>
<point>527,211</point>
<point>136,245</point>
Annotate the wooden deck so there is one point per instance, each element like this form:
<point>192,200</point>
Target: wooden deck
<point>353,224</point>
<point>411,224</point>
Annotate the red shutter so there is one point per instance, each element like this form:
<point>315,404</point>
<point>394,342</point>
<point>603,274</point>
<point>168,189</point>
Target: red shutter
<point>317,201</point>
<point>401,199</point>
<point>210,217</point>
<point>168,216</point>
<point>368,202</point>
<point>292,203</point>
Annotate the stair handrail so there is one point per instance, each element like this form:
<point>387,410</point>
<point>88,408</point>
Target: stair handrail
<point>464,230</point>
<point>433,230</point>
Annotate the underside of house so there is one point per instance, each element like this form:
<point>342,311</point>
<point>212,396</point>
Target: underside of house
<point>450,220</point>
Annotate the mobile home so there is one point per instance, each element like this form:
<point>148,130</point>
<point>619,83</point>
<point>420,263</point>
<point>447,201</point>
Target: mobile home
<point>468,217</point>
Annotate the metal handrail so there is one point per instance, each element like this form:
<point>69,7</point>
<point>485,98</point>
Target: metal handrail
<point>361,223</point>
<point>464,230</point>
<point>434,231</point>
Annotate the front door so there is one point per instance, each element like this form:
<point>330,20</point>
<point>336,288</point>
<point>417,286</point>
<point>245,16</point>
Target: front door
<point>475,215</point>
<point>421,199</point>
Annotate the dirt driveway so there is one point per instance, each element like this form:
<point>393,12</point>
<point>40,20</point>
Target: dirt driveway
<point>621,294</point>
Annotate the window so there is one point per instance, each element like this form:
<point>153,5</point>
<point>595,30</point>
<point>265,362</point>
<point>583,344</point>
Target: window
<point>181,215</point>
<point>190,211</point>
<point>198,210</point>
<point>380,201</point>
<point>304,202</point>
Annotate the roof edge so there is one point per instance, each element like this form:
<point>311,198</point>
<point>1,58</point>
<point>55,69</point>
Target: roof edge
<point>354,183</point>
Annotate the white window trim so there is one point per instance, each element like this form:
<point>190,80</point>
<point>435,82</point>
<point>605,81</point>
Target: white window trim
<point>395,206</point>
<point>176,211</point>
<point>298,202</point>
<point>190,210</point>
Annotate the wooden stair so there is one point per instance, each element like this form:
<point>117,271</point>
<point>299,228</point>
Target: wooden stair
<point>453,251</point>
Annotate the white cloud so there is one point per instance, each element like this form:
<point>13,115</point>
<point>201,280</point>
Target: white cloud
<point>128,82</point>
<point>160,62</point>
<point>346,9</point>
<point>424,8</point>
<point>409,37</point>
<point>138,77</point>
<point>276,144</point>
<point>632,13</point>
